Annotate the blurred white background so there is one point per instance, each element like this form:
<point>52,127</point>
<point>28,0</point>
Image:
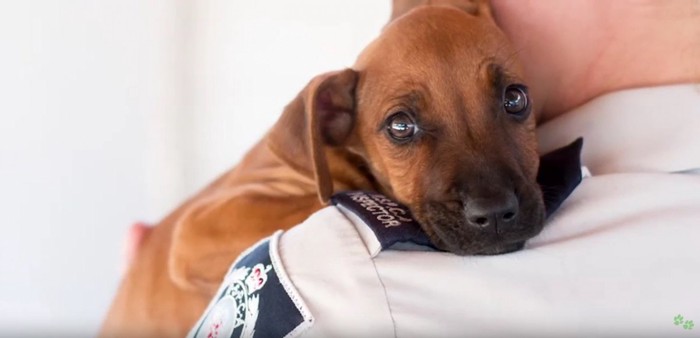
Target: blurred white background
<point>114,111</point>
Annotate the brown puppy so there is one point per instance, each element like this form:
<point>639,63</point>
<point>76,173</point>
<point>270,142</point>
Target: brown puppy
<point>432,114</point>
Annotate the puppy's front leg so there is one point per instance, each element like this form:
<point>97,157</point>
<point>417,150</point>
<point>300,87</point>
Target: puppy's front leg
<point>214,232</point>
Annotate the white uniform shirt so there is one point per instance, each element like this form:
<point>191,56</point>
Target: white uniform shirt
<point>621,257</point>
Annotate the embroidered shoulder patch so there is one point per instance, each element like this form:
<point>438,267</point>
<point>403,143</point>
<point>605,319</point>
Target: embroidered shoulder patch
<point>256,299</point>
<point>390,221</point>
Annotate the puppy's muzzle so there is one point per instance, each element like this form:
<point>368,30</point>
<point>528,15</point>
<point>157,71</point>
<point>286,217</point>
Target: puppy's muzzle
<point>497,214</point>
<point>497,218</point>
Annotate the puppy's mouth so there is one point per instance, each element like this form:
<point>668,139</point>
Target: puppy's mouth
<point>449,228</point>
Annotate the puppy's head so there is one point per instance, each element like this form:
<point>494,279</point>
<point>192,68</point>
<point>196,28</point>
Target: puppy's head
<point>437,114</point>
<point>445,123</point>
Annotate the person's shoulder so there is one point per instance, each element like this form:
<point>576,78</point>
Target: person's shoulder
<point>254,295</point>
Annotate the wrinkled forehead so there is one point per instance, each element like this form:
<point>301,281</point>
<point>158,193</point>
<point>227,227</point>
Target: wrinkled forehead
<point>438,44</point>
<point>436,60</point>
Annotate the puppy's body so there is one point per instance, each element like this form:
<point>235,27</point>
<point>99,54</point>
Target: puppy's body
<point>150,302</point>
<point>442,74</point>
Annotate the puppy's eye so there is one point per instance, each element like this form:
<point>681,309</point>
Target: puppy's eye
<point>401,126</point>
<point>516,101</point>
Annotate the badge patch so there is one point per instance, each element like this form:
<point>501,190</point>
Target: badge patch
<point>390,221</point>
<point>255,300</point>
<point>217,323</point>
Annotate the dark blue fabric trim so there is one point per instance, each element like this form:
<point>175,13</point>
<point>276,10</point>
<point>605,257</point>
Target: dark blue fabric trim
<point>390,221</point>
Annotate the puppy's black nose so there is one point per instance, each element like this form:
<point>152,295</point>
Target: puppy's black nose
<point>494,214</point>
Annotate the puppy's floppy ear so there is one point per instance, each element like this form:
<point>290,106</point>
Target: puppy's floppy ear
<point>479,8</point>
<point>322,115</point>
<point>215,227</point>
